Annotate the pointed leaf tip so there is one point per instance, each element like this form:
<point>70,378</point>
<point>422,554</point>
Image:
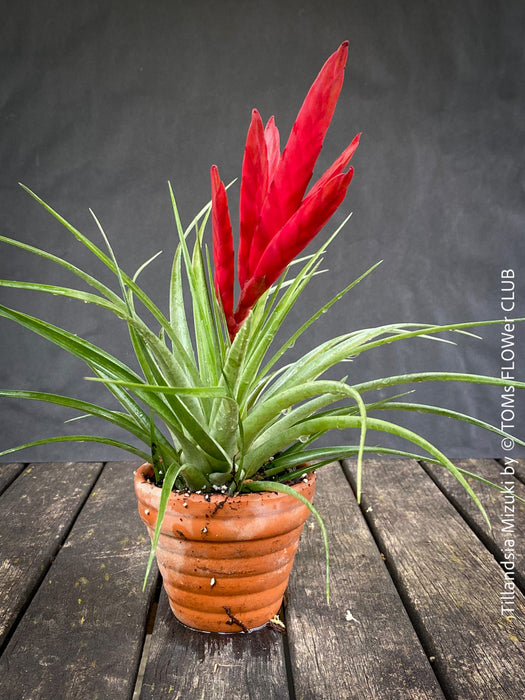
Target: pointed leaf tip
<point>339,57</point>
<point>273,147</point>
<point>253,190</point>
<point>223,256</point>
<point>338,166</point>
<point>295,166</point>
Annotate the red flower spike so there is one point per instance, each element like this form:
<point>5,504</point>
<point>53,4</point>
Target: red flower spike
<point>295,168</point>
<point>253,190</point>
<point>223,257</point>
<point>295,235</point>
<point>271,136</point>
<point>275,222</point>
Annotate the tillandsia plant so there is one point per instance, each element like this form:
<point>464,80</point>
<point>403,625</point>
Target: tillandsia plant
<point>214,404</point>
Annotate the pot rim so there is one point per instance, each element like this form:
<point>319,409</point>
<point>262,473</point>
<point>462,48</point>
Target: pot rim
<point>145,471</point>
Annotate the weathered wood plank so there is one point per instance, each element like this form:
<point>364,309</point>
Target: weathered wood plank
<point>361,644</point>
<point>449,581</point>
<point>8,473</point>
<point>506,539</point>
<point>520,470</point>
<point>36,513</point>
<point>82,635</point>
<point>184,664</point>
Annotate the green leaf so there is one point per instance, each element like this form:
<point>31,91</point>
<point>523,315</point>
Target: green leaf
<point>91,281</point>
<point>281,463</point>
<point>116,307</point>
<point>108,367</point>
<point>202,315</point>
<point>145,264</point>
<point>349,345</point>
<point>224,421</point>
<point>482,480</point>
<point>138,330</point>
<point>322,425</point>
<point>214,392</point>
<point>220,323</point>
<point>427,329</point>
<point>205,331</point>
<point>70,342</point>
<point>120,419</point>
<point>435,410</point>
<point>169,479</point>
<point>292,340</point>
<point>434,377</point>
<point>81,438</point>
<point>263,336</point>
<point>263,416</point>
<point>178,318</point>
<point>199,435</point>
<point>330,391</point>
<point>106,260</point>
<point>134,410</point>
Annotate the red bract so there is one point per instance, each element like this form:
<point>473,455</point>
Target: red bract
<point>276,219</point>
<point>223,256</point>
<point>254,185</point>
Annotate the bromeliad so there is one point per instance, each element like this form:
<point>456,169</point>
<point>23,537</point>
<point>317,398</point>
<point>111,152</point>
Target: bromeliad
<point>277,220</point>
<point>207,394</point>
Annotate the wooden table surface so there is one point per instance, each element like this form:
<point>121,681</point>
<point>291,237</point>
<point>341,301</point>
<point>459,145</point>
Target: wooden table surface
<point>415,608</point>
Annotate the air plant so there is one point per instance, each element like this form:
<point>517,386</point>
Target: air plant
<point>213,404</point>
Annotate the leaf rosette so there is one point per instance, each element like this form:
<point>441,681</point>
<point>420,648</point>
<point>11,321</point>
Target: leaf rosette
<point>214,406</point>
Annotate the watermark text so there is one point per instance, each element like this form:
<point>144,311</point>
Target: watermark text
<point>507,414</point>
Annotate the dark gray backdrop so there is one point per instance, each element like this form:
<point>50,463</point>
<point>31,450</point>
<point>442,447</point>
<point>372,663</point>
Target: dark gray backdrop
<point>103,102</point>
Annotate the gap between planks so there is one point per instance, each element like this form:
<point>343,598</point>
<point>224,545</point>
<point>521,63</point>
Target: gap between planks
<point>150,624</point>
<point>475,651</point>
<point>494,540</point>
<point>25,467</point>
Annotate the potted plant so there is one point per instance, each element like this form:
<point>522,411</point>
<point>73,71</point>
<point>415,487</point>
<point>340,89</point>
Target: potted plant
<point>230,430</point>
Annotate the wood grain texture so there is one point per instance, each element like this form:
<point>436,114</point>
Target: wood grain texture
<point>82,635</point>
<point>519,468</point>
<point>361,644</point>
<point>506,538</point>
<point>36,512</point>
<point>449,581</point>
<point>8,473</point>
<point>184,664</point>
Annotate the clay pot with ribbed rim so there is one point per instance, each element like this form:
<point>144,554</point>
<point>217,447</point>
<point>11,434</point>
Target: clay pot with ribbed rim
<point>225,560</point>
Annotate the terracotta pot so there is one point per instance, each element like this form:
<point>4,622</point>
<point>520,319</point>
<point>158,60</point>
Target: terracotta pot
<point>225,561</point>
